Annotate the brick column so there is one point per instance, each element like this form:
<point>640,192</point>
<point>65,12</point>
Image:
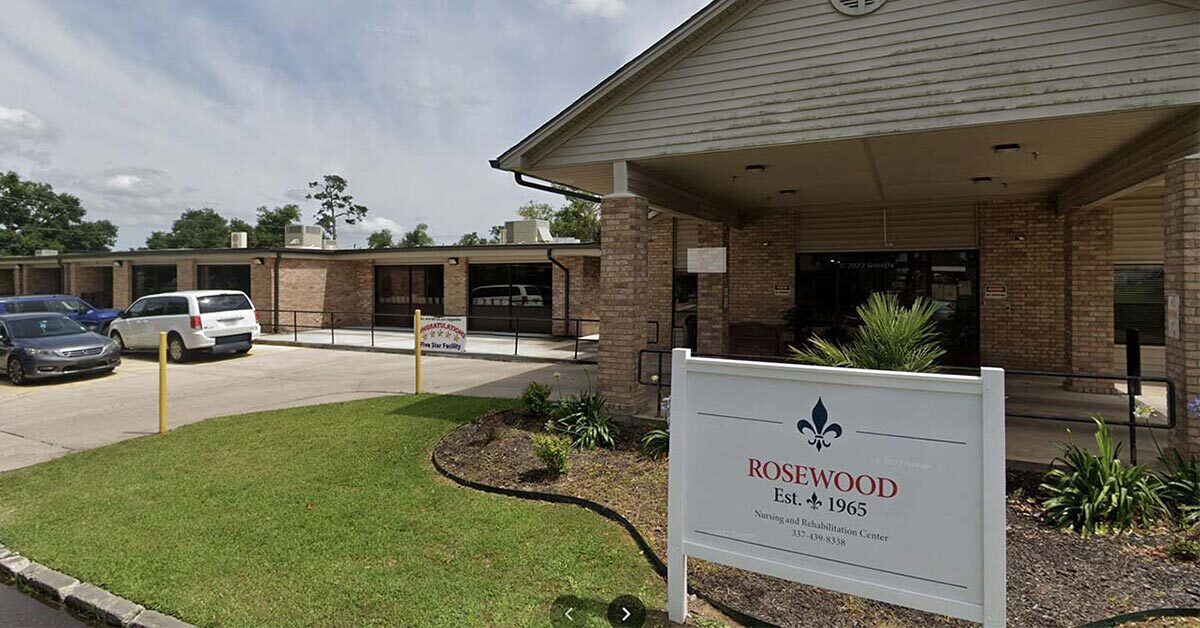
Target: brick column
<point>122,288</point>
<point>185,274</point>
<point>712,307</point>
<point>622,313</point>
<point>1181,221</point>
<point>660,278</point>
<point>262,291</point>
<point>18,274</point>
<point>1089,246</point>
<point>71,280</point>
<point>454,288</point>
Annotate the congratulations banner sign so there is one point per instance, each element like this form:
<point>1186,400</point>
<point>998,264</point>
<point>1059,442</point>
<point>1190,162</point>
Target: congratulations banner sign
<point>444,333</point>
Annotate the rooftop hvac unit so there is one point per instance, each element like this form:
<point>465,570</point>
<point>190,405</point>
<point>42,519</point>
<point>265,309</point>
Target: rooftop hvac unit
<point>303,237</point>
<point>527,232</point>
<point>239,240</point>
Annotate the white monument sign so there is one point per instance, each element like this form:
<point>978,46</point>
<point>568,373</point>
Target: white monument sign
<point>880,484</point>
<point>444,333</point>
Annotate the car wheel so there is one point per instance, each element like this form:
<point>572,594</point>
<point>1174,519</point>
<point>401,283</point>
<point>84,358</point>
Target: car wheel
<point>177,352</point>
<point>116,336</point>
<point>16,372</point>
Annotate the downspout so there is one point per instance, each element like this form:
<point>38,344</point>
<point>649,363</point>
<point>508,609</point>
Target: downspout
<point>278,257</point>
<point>520,179</point>
<point>566,289</point>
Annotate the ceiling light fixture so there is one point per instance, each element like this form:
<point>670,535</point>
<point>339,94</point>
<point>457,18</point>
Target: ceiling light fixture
<point>981,180</point>
<point>1006,148</point>
<point>756,168</point>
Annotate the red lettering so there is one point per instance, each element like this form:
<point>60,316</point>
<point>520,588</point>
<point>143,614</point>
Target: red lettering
<point>755,468</point>
<point>820,477</point>
<point>858,485</point>
<point>888,488</point>
<point>771,475</point>
<point>837,481</point>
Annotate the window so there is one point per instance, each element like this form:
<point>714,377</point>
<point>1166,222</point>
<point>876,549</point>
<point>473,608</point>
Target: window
<point>137,309</point>
<point>505,296</point>
<point>24,307</point>
<point>175,306</point>
<point>399,290</point>
<point>223,277</point>
<point>153,279</point>
<point>155,307</point>
<point>1138,302</point>
<point>223,303</point>
<point>67,306</point>
<point>44,327</point>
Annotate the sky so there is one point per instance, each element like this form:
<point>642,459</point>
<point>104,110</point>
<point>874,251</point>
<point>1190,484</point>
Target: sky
<point>144,109</point>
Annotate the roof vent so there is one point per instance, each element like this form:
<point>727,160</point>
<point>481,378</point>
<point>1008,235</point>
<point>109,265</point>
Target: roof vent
<point>857,7</point>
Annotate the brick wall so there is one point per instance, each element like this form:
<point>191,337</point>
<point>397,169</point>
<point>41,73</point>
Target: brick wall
<point>1023,248</point>
<point>43,280</point>
<point>312,285</point>
<point>712,308</point>
<point>762,256</point>
<point>585,287</point>
<point>660,270</point>
<point>622,313</point>
<point>93,283</point>
<point>1181,220</point>
<point>185,274</point>
<point>262,291</point>
<point>1089,305</point>
<point>122,285</point>
<point>456,285</point>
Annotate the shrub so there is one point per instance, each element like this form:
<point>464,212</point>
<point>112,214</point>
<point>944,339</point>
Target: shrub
<point>1184,549</point>
<point>1181,486</point>
<point>584,417</point>
<point>656,443</point>
<point>536,399</point>
<point>553,450</point>
<point>1095,494</point>
<point>892,338</point>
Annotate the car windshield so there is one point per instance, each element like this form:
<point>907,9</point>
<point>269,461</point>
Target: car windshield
<point>223,303</point>
<point>43,327</point>
<point>66,306</point>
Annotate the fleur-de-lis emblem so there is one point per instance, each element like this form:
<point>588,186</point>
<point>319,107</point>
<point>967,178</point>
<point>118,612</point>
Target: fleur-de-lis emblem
<point>814,502</point>
<point>820,431</point>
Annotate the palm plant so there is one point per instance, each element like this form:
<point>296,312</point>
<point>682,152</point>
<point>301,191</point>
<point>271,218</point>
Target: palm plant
<point>892,338</point>
<point>1181,486</point>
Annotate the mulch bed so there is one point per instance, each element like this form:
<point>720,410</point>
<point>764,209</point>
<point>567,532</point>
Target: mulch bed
<point>1054,578</point>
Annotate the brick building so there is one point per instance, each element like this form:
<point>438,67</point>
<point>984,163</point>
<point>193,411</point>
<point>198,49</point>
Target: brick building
<point>1032,167</point>
<point>544,288</point>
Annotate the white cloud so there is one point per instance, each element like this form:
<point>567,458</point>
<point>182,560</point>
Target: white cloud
<point>21,124</point>
<point>599,8</point>
<point>370,225</point>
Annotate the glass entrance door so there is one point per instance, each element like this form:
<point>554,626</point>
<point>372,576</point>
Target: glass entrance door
<point>507,297</point>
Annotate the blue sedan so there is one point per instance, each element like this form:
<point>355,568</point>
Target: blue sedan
<point>36,346</point>
<point>82,312</point>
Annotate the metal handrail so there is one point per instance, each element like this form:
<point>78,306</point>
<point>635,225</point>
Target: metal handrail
<point>1133,389</point>
<point>515,323</point>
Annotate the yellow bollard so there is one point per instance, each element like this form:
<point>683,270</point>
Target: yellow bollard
<point>162,382</point>
<point>417,346</point>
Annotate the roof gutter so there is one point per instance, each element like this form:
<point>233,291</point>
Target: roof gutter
<point>520,179</point>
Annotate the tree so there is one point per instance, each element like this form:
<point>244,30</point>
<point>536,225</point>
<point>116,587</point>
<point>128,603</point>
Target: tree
<point>532,210</point>
<point>33,216</point>
<point>268,231</point>
<point>416,238</point>
<point>577,219</point>
<point>195,229</point>
<point>470,239</point>
<point>381,239</point>
<point>496,234</point>
<point>335,204</point>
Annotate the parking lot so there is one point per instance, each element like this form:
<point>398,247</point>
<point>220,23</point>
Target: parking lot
<point>50,419</point>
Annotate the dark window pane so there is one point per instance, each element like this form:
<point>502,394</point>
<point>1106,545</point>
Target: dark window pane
<point>1138,302</point>
<point>153,279</point>
<point>224,277</point>
<point>223,303</point>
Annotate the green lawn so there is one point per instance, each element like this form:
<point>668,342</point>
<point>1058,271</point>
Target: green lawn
<point>326,515</point>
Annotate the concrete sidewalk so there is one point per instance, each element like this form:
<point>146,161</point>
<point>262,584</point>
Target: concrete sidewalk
<point>530,347</point>
<point>51,419</point>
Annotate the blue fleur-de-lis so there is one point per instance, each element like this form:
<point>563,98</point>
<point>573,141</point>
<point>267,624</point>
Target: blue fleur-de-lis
<point>814,502</point>
<point>820,431</point>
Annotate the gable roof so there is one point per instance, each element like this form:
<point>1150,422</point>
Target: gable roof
<point>702,22</point>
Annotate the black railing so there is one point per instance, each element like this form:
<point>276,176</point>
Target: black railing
<point>1133,380</point>
<point>301,320</point>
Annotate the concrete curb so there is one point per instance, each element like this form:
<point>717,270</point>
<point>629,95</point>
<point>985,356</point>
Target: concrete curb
<point>85,600</point>
<point>493,357</point>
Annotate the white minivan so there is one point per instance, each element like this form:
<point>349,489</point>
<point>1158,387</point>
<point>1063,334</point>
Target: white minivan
<point>215,321</point>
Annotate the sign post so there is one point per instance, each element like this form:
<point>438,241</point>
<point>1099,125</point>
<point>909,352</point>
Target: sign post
<point>417,349</point>
<point>880,484</point>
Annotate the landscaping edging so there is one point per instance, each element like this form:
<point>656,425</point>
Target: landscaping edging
<point>80,598</point>
<point>651,557</point>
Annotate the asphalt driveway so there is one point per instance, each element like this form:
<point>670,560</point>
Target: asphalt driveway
<point>51,419</point>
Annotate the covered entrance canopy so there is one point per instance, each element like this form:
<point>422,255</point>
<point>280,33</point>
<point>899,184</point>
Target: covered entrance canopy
<point>1010,134</point>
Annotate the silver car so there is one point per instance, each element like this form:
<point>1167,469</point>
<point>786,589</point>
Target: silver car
<point>39,345</point>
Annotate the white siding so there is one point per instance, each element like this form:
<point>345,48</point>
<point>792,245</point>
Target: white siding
<point>923,228</point>
<point>794,71</point>
<point>1138,227</point>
